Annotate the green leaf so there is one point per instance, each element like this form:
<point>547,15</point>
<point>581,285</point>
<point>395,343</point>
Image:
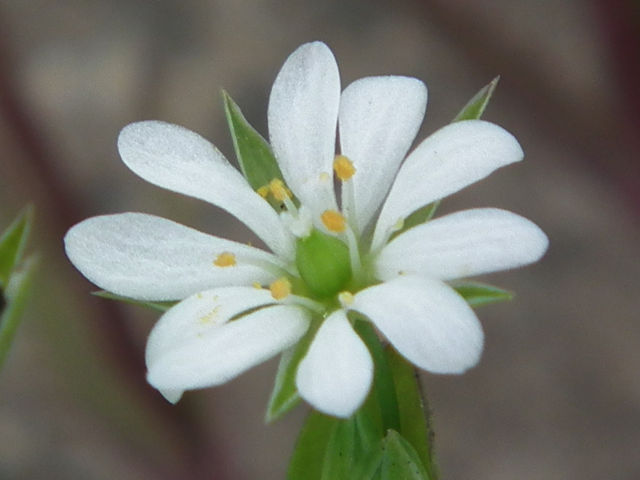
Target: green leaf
<point>12,243</point>
<point>414,414</point>
<point>285,396</point>
<point>477,294</point>
<point>400,461</point>
<point>158,306</point>
<point>17,292</point>
<point>476,106</point>
<point>257,162</point>
<point>307,460</point>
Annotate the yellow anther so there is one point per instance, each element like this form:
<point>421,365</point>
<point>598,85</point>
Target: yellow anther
<point>345,298</point>
<point>334,221</point>
<point>343,167</point>
<point>263,191</point>
<point>280,288</point>
<point>225,259</point>
<point>279,191</point>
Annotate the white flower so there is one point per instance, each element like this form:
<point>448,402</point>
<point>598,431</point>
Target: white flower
<point>338,258</point>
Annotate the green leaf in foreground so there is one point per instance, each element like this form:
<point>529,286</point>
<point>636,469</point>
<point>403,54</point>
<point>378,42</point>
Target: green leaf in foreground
<point>400,461</point>
<point>255,157</point>
<point>17,292</point>
<point>158,306</point>
<point>477,294</point>
<point>12,243</point>
<point>476,106</point>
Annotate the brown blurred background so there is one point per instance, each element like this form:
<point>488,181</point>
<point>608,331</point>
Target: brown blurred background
<point>557,393</point>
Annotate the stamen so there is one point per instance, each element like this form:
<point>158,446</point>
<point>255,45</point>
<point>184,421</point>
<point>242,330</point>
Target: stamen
<point>279,191</point>
<point>354,254</point>
<point>343,167</point>
<point>263,191</point>
<point>257,285</point>
<point>334,221</point>
<point>346,299</point>
<point>280,288</point>
<point>225,259</point>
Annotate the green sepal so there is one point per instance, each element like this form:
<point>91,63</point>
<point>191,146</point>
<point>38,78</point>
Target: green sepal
<point>421,215</point>
<point>474,109</point>
<point>400,460</point>
<point>12,243</point>
<point>308,456</point>
<point>17,292</point>
<point>415,425</point>
<point>477,294</point>
<point>158,306</point>
<point>324,263</point>
<point>284,396</point>
<point>257,162</point>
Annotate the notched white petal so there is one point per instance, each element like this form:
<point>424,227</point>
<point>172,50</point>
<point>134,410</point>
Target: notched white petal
<point>427,321</point>
<point>303,111</point>
<point>177,159</point>
<point>336,374</point>
<point>447,161</point>
<point>379,118</point>
<point>195,345</point>
<point>463,244</point>
<point>150,258</point>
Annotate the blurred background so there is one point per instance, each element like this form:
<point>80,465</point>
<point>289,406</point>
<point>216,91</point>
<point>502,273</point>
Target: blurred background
<point>557,393</point>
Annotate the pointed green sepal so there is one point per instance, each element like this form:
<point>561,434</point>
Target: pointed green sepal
<point>17,292</point>
<point>12,243</point>
<point>421,215</point>
<point>477,294</point>
<point>474,109</point>
<point>284,396</point>
<point>257,162</point>
<point>400,460</point>
<point>158,306</point>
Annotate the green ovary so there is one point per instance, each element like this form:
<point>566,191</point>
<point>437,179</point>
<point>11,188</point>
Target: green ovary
<point>323,263</point>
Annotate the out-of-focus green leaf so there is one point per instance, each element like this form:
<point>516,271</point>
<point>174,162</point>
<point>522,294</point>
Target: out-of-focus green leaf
<point>415,426</point>
<point>476,106</point>
<point>257,162</point>
<point>308,456</point>
<point>477,294</point>
<point>158,306</point>
<point>16,293</point>
<point>285,396</point>
<point>400,461</point>
<point>12,243</point>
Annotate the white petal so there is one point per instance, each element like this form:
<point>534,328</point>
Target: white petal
<point>175,158</point>
<point>463,244</point>
<point>426,321</point>
<point>336,373</point>
<point>447,161</point>
<point>379,118</point>
<point>150,258</point>
<point>194,345</point>
<point>303,111</point>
